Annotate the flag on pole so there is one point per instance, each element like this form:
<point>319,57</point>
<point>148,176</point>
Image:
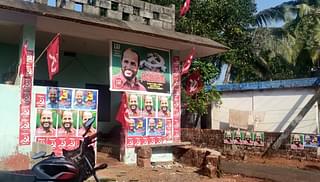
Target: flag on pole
<point>23,61</point>
<point>185,8</point>
<point>194,83</point>
<point>122,114</point>
<point>53,56</point>
<point>187,63</point>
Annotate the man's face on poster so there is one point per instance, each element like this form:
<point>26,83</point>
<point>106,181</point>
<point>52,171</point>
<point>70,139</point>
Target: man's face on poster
<point>228,136</point>
<point>86,116</point>
<point>53,95</point>
<point>258,137</point>
<point>133,103</point>
<point>152,124</point>
<point>129,64</point>
<point>148,104</point>
<point>46,119</point>
<point>79,96</point>
<point>296,140</point>
<point>238,136</point>
<point>67,120</point>
<point>248,137</point>
<point>308,139</point>
<point>164,104</point>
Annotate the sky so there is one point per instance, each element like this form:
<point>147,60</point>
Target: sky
<point>264,4</point>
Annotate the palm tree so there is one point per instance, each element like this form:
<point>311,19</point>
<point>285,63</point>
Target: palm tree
<point>299,39</point>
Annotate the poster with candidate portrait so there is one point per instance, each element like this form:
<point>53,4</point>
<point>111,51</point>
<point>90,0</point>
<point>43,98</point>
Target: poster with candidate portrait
<point>60,116</point>
<point>137,127</point>
<point>136,68</point>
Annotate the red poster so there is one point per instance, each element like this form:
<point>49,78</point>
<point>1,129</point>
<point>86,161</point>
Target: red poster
<point>176,100</point>
<point>40,100</point>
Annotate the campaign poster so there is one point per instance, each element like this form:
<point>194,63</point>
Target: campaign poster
<point>149,106</point>
<point>310,140</point>
<point>65,98</point>
<point>137,127</point>
<point>46,124</point>
<point>67,123</point>
<point>297,141</point>
<point>84,116</point>
<point>165,107</point>
<point>248,138</point>
<point>228,137</point>
<point>258,138</point>
<point>156,127</point>
<point>134,105</point>
<point>137,68</point>
<point>61,114</point>
<point>238,137</point>
<point>85,99</point>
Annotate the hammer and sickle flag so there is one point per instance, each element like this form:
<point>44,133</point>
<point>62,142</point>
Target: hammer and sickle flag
<point>185,8</point>
<point>188,61</point>
<point>53,56</point>
<point>194,83</point>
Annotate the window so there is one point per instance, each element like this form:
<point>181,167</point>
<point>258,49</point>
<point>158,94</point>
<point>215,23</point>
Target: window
<point>125,16</point>
<point>136,11</point>
<point>156,15</point>
<point>103,12</point>
<point>52,3</point>
<point>78,7</point>
<point>146,21</point>
<point>114,6</point>
<point>92,2</point>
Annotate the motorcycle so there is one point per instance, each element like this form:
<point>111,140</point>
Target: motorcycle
<point>75,165</point>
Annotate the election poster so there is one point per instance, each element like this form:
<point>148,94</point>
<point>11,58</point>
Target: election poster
<point>61,114</point>
<point>139,69</point>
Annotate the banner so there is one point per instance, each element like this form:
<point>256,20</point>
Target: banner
<point>61,114</point>
<point>135,68</point>
<point>53,56</point>
<point>26,70</point>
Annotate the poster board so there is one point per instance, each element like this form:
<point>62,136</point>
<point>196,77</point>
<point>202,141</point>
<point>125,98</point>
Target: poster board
<point>139,69</point>
<point>60,115</point>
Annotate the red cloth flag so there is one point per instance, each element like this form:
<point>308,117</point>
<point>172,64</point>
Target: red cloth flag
<point>185,8</point>
<point>122,115</point>
<point>188,61</point>
<point>194,83</point>
<point>53,56</point>
<point>23,63</point>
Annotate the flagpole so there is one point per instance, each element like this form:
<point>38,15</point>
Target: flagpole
<point>35,62</point>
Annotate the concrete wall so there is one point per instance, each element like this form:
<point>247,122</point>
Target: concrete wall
<point>128,10</point>
<point>268,110</point>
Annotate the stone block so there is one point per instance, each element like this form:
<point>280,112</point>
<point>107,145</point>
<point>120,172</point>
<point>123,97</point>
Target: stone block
<point>41,1</point>
<point>210,171</point>
<point>165,17</point>
<point>213,160</point>
<point>144,152</point>
<point>81,1</point>
<point>156,8</point>
<point>138,4</point>
<point>126,8</point>
<point>168,11</point>
<point>91,9</point>
<point>146,14</point>
<point>105,4</point>
<point>143,162</point>
<point>167,26</point>
<point>156,23</point>
<point>127,2</point>
<point>115,14</point>
<point>135,18</point>
<point>147,6</point>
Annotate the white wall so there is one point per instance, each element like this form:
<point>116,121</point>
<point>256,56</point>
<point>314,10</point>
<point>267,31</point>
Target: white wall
<point>269,110</point>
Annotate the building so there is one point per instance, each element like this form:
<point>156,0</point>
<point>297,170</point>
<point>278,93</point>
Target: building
<point>90,31</point>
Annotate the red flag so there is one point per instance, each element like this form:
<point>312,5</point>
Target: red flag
<point>188,61</point>
<point>185,8</point>
<point>53,56</point>
<point>122,115</point>
<point>194,83</point>
<point>23,62</point>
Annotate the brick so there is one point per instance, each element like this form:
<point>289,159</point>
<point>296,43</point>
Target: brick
<point>127,2</point>
<point>165,17</point>
<point>143,162</point>
<point>138,4</point>
<point>167,26</point>
<point>115,14</point>
<point>146,14</point>
<point>156,23</point>
<point>156,8</point>
<point>168,11</point>
<point>91,9</point>
<point>135,18</point>
<point>105,4</point>
<point>144,152</point>
<point>126,8</point>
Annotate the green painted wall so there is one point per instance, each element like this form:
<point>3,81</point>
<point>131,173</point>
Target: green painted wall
<point>9,54</point>
<point>75,71</point>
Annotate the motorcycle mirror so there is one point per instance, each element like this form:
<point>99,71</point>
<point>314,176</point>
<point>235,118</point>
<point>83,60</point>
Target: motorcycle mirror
<point>39,155</point>
<point>89,123</point>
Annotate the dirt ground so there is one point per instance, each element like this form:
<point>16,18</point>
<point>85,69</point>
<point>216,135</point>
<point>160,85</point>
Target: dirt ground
<point>173,172</point>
